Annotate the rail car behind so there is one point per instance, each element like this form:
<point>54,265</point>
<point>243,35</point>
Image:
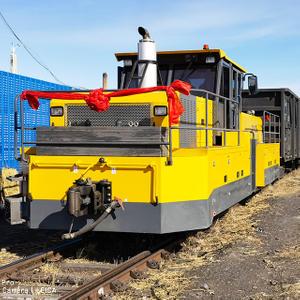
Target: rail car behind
<point>169,176</point>
<point>284,108</point>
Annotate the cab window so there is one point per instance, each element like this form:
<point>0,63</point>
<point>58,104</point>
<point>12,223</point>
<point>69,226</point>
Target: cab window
<point>198,76</point>
<point>224,88</point>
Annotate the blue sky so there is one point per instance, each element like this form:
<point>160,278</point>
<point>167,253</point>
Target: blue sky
<point>77,39</point>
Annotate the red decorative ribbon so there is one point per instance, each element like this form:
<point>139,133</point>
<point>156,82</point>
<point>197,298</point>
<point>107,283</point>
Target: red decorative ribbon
<point>99,102</point>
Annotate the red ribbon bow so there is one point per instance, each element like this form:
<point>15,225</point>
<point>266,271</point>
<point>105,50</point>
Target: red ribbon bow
<point>99,102</point>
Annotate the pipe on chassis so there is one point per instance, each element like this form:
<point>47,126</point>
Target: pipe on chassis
<point>108,210</point>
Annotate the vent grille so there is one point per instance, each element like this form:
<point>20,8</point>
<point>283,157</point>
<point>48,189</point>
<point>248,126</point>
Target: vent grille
<point>7,210</point>
<point>116,114</point>
<point>188,138</point>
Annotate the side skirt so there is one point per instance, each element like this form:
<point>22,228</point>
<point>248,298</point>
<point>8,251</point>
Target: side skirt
<point>272,173</point>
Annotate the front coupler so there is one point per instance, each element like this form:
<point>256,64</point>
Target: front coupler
<point>88,197</point>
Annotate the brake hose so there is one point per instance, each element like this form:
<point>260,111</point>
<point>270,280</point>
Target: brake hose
<point>90,227</point>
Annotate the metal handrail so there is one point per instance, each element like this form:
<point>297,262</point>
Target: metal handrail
<point>97,143</point>
<point>23,142</point>
<point>206,128</point>
<point>273,122</point>
<point>16,127</point>
<point>214,95</point>
<point>22,128</point>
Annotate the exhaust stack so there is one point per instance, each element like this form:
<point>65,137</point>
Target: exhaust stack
<point>147,53</point>
<point>104,79</point>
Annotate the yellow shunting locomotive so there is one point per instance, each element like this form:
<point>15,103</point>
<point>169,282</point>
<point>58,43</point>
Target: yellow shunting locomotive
<point>168,178</point>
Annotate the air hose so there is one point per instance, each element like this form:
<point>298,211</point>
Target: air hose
<point>73,235</point>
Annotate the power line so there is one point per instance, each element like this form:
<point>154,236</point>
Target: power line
<point>34,55</point>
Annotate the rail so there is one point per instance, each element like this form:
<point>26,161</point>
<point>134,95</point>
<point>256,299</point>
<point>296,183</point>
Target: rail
<point>39,259</point>
<point>22,128</point>
<point>204,127</point>
<point>271,128</point>
<point>113,277</point>
<point>117,278</point>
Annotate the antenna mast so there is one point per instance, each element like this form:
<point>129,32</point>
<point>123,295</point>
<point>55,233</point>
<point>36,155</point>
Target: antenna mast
<point>13,58</point>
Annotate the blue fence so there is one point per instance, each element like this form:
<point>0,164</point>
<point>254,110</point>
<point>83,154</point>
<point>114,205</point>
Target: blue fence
<point>10,86</point>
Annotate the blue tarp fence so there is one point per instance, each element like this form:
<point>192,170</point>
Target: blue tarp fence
<point>10,86</point>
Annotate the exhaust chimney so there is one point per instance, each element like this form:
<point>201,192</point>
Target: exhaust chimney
<point>104,81</point>
<point>147,53</point>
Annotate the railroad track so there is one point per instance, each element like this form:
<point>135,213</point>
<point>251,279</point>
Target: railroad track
<point>26,279</point>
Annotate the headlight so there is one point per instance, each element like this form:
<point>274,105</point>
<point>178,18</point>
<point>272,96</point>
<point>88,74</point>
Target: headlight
<point>56,111</point>
<point>160,111</point>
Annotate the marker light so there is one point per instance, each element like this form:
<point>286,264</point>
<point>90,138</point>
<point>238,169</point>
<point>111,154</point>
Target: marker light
<point>56,111</point>
<point>205,47</point>
<point>127,62</point>
<point>160,111</point>
<point>210,60</point>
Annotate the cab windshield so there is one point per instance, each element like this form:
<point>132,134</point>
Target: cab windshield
<point>199,76</point>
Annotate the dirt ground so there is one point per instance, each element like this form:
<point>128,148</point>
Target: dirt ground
<point>244,270</point>
<point>18,241</point>
<point>253,252</point>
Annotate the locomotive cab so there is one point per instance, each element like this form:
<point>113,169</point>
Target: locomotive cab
<point>206,69</point>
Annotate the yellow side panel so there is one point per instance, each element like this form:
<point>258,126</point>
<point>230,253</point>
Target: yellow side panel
<point>50,177</point>
<point>133,179</point>
<point>195,173</point>
<point>267,155</point>
<point>141,179</point>
<point>231,138</point>
<point>226,165</point>
<point>252,123</point>
<point>201,122</point>
<point>186,179</point>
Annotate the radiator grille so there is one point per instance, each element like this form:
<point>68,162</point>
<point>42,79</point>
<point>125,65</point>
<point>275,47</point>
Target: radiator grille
<point>116,114</point>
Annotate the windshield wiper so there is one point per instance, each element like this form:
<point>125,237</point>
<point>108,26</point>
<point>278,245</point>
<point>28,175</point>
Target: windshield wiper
<point>183,73</point>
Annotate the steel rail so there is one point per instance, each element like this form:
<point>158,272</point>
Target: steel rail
<point>39,259</point>
<point>110,280</point>
<point>122,273</point>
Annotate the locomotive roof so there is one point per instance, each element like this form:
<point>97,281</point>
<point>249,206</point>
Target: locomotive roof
<point>181,56</point>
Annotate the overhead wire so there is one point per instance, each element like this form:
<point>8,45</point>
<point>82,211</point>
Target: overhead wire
<point>34,55</point>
